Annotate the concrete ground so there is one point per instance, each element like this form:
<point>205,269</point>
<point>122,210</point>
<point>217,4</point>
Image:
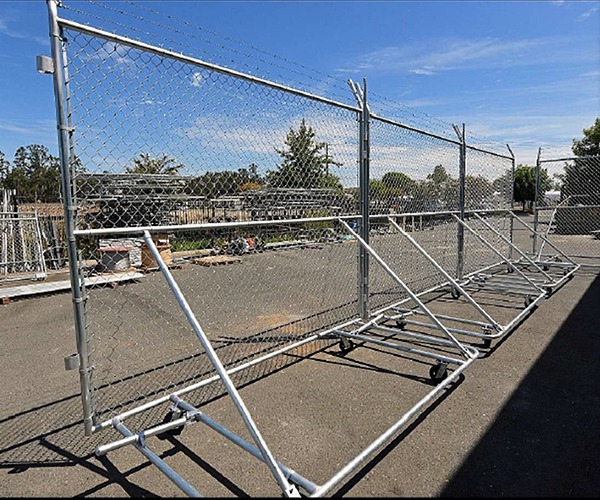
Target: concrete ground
<point>521,422</point>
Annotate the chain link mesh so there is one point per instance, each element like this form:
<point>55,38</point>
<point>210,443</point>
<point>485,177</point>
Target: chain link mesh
<point>162,142</point>
<point>261,172</point>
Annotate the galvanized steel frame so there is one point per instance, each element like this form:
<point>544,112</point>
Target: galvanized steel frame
<point>362,329</point>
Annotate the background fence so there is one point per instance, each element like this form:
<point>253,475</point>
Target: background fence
<point>568,205</point>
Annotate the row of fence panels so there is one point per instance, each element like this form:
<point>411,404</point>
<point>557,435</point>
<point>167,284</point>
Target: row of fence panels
<point>207,140</point>
<point>279,214</point>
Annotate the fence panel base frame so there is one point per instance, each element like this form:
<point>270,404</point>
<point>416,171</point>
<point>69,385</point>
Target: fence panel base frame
<point>524,278</point>
<point>352,334</point>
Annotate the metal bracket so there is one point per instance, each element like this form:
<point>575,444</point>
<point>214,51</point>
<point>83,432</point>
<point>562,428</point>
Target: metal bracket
<point>71,362</point>
<point>44,65</point>
<point>292,492</point>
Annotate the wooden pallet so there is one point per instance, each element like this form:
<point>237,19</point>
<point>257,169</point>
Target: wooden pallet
<point>217,260</point>
<point>146,269</point>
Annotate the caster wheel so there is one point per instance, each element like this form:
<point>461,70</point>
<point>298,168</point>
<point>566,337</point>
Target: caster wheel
<point>454,293</point>
<point>546,268</point>
<point>169,417</point>
<point>401,324</point>
<point>487,343</point>
<point>509,269</point>
<point>528,301</point>
<point>548,290</point>
<point>346,345</point>
<point>438,372</point>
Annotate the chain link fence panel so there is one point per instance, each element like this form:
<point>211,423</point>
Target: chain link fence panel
<point>161,142</point>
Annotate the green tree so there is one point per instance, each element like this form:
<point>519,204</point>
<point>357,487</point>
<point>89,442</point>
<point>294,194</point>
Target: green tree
<point>439,175</point>
<point>146,164</point>
<point>478,190</point>
<point>582,176</point>
<point>589,145</point>
<point>377,190</point>
<point>214,184</point>
<point>442,189</point>
<point>503,184</point>
<point>305,162</point>
<point>4,168</point>
<point>525,179</point>
<point>35,174</point>
<point>401,183</point>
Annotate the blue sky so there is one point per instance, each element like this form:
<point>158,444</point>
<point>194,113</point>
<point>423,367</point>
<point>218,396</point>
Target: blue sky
<point>523,73</point>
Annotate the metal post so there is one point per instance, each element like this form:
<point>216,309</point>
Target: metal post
<point>462,168</point>
<point>535,200</point>
<point>512,200</point>
<point>363,187</point>
<point>70,214</point>
<point>71,129</point>
<point>4,231</point>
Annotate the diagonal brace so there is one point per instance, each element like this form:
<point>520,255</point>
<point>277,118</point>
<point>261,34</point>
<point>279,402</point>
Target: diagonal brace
<point>288,489</point>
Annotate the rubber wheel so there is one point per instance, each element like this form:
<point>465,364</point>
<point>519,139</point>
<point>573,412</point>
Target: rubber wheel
<point>528,301</point>
<point>401,324</point>
<point>509,269</point>
<point>487,343</point>
<point>438,372</point>
<point>175,431</point>
<point>546,268</point>
<point>454,293</point>
<point>346,345</point>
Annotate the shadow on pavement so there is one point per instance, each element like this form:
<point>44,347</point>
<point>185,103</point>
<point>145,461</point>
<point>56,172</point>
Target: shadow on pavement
<point>546,440</point>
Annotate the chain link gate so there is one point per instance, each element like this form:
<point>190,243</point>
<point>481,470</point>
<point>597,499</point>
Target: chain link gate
<point>349,225</point>
<point>567,208</point>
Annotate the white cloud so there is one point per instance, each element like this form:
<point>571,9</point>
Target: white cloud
<point>112,51</point>
<point>588,13</point>
<point>5,30</point>
<point>427,57</point>
<point>527,132</point>
<point>196,79</point>
<point>45,128</point>
<point>422,71</point>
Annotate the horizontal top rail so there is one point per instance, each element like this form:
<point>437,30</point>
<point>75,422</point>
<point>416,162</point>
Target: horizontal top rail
<point>413,129</point>
<point>225,225</point>
<point>435,136</point>
<point>82,28</point>
<point>569,158</point>
<point>498,155</point>
<point>111,37</point>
